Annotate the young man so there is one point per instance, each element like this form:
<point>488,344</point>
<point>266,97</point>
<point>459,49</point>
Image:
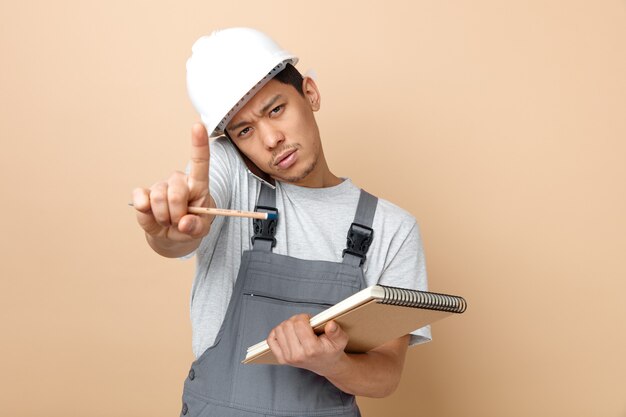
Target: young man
<point>270,157</point>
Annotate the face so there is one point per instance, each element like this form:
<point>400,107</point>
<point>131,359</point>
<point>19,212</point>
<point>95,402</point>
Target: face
<point>277,131</point>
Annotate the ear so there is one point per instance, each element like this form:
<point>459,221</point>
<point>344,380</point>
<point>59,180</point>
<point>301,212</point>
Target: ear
<point>311,93</point>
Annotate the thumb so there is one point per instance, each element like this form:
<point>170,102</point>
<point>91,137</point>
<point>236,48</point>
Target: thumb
<point>335,335</point>
<point>194,226</point>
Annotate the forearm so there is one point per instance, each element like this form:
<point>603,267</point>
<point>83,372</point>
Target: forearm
<point>373,374</point>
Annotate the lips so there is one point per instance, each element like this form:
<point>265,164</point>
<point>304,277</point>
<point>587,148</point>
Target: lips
<point>286,159</point>
<point>284,155</point>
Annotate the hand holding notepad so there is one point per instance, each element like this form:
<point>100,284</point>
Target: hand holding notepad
<point>374,316</point>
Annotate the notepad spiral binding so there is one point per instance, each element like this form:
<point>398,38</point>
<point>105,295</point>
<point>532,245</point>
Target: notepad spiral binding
<point>423,299</point>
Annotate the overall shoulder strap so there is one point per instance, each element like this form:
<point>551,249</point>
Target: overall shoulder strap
<point>265,230</point>
<point>361,234</point>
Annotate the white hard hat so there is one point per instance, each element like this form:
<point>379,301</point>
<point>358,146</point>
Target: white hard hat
<point>227,68</point>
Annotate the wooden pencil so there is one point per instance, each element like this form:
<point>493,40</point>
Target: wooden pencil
<point>229,213</point>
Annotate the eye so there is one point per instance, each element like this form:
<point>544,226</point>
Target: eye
<point>277,110</point>
<point>244,132</point>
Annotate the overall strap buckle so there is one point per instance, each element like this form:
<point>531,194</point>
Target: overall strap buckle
<point>265,229</point>
<point>359,239</point>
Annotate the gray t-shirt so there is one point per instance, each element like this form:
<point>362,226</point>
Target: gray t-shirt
<point>313,225</point>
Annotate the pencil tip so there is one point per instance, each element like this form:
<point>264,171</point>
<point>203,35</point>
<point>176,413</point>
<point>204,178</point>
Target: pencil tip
<point>272,216</point>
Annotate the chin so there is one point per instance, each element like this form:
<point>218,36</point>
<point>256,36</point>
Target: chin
<point>296,177</point>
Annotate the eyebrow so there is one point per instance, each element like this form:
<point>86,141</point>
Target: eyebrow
<point>263,110</point>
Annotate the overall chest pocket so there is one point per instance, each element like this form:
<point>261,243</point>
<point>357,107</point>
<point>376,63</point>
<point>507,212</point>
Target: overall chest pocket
<point>270,296</point>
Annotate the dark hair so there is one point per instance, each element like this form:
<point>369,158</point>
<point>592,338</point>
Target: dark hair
<point>290,75</point>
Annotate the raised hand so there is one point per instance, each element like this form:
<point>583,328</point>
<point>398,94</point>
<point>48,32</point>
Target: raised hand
<point>162,209</point>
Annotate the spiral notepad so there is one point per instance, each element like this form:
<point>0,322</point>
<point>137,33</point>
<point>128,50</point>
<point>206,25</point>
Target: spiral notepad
<point>374,316</point>
<point>422,299</point>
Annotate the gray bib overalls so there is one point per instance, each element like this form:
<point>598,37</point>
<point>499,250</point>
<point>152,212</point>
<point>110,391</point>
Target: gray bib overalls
<point>269,289</point>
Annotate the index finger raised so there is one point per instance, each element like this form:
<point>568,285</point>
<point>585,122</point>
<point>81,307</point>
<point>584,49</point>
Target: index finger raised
<point>200,154</point>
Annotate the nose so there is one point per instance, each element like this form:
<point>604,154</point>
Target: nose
<point>271,135</point>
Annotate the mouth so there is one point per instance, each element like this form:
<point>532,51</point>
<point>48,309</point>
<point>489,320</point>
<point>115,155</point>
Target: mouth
<point>286,159</point>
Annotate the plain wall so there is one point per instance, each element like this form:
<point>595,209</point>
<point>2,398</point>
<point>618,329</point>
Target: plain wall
<point>500,125</point>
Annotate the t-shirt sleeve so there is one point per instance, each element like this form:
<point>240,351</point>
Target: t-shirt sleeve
<point>221,168</point>
<point>221,174</point>
<point>407,269</point>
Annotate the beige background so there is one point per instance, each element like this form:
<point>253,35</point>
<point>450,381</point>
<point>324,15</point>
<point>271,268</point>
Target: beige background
<point>500,125</point>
